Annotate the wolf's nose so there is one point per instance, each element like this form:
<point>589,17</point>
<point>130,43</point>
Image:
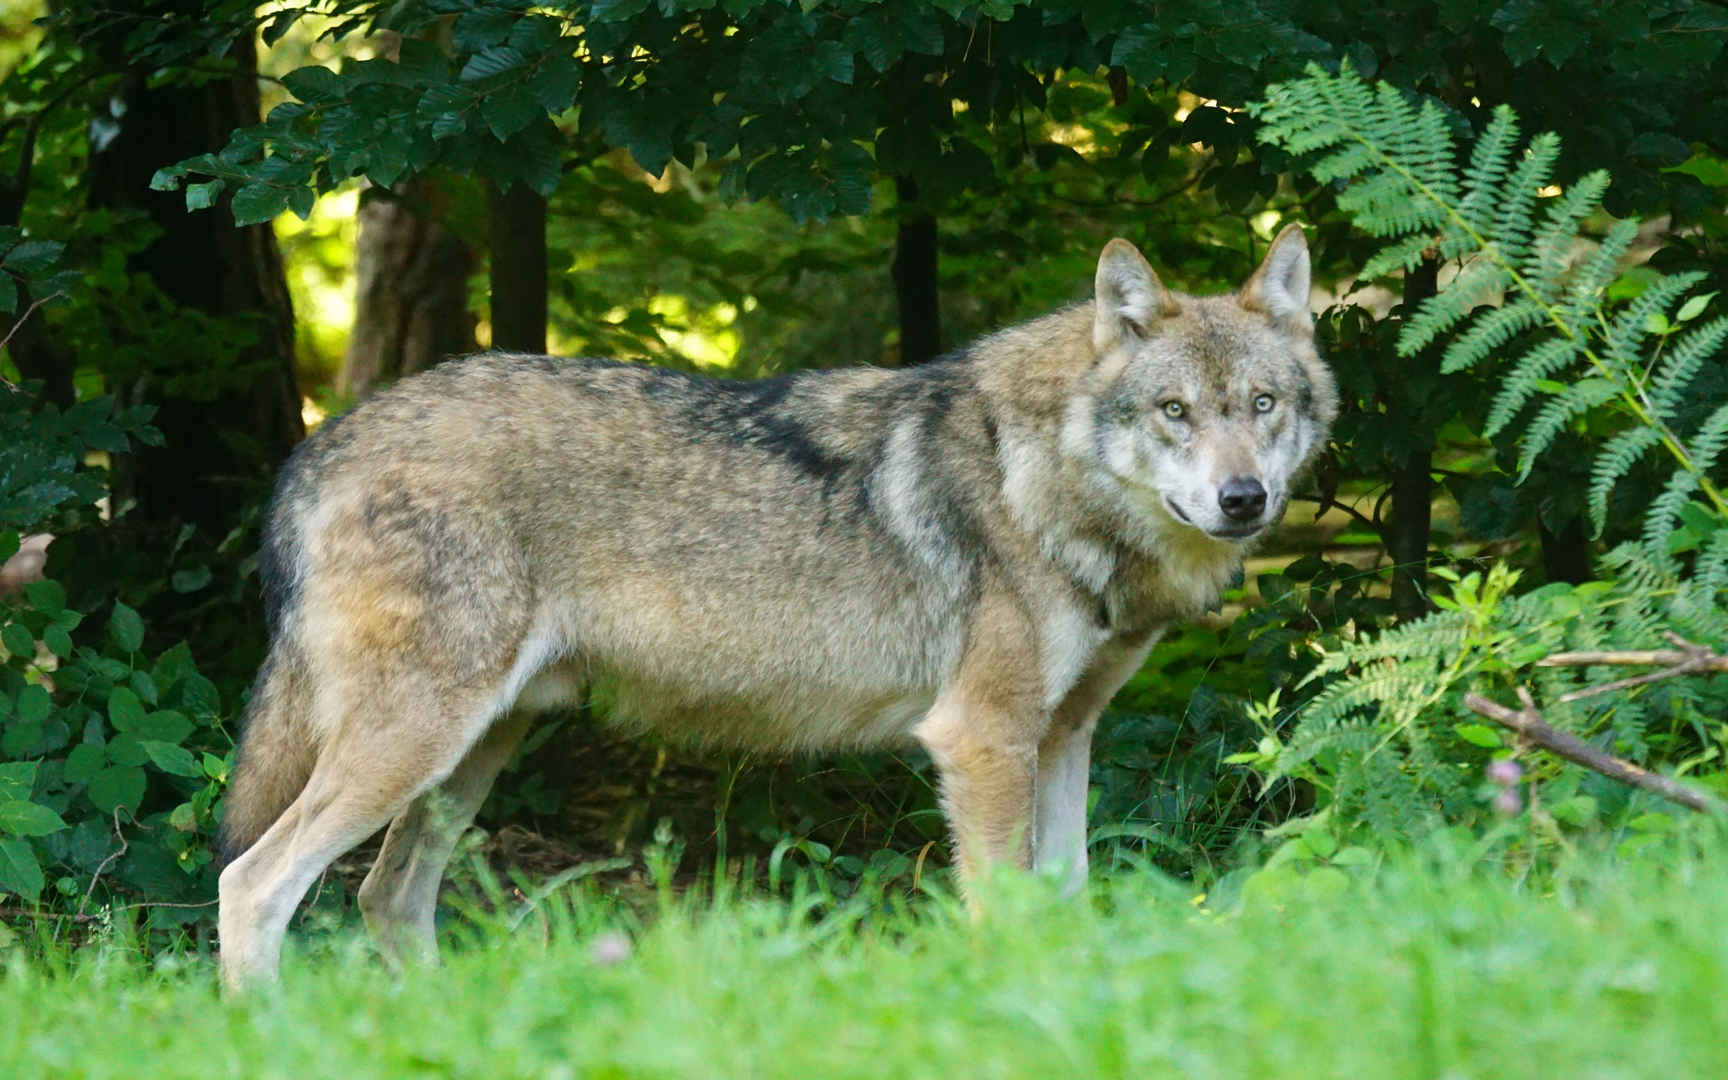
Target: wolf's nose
<point>1241,498</point>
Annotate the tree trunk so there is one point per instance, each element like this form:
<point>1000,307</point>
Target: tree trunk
<point>915,281</point>
<point>411,303</point>
<point>225,428</point>
<point>1565,554</point>
<point>1413,485</point>
<point>518,239</point>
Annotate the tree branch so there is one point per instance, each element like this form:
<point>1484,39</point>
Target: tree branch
<point>1528,723</point>
<point>1687,658</point>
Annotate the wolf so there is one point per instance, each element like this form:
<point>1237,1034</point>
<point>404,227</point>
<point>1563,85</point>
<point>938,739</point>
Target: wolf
<point>973,554</point>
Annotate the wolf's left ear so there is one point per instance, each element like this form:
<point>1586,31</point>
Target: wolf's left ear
<point>1129,298</point>
<point>1280,287</point>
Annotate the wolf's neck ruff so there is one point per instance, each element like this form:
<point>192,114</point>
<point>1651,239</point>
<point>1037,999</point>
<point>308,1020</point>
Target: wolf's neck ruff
<point>974,554</point>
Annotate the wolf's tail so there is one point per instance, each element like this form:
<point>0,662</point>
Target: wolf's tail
<point>274,756</point>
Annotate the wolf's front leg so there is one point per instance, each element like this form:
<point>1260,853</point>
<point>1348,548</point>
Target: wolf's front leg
<point>1059,833</point>
<point>1065,760</point>
<point>988,761</point>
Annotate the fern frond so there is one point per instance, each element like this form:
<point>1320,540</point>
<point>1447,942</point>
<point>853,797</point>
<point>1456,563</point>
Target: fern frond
<point>1403,255</point>
<point>1614,461</point>
<point>1708,440</point>
<point>1711,570</point>
<point>1540,362</point>
<point>1489,332</point>
<point>1489,162</point>
<point>1630,327</point>
<point>1664,511</point>
<point>1515,221</point>
<point>1583,293</point>
<point>1578,398</point>
<point>1482,281</point>
<point>1550,254</point>
<point>1681,363</point>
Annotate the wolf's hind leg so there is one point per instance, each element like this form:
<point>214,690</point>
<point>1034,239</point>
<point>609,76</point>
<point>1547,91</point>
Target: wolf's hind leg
<point>365,776</point>
<point>400,894</point>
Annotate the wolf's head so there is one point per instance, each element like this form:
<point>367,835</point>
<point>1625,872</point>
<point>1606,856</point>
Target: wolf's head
<point>1203,409</point>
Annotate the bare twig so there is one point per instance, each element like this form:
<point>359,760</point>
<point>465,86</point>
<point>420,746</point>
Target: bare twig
<point>1528,723</point>
<point>29,311</point>
<point>16,912</point>
<point>1686,658</point>
<point>97,876</point>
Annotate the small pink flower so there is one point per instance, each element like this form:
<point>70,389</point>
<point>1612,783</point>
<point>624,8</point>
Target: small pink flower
<point>1505,772</point>
<point>1508,802</point>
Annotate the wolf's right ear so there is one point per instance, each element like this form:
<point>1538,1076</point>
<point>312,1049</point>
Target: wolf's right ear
<point>1279,288</point>
<point>1129,298</point>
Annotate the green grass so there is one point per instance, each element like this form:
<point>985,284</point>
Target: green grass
<point>1414,971</point>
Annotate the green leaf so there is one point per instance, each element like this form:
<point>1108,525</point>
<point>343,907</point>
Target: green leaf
<point>556,82</point>
<point>255,204</point>
<point>315,84</point>
<point>1479,735</point>
<point>203,196</point>
<point>17,779</point>
<point>59,642</point>
<point>476,29</point>
<point>22,818</point>
<point>126,749</point>
<point>509,110</point>
<point>126,628</point>
<point>19,870</point>
<point>34,704</point>
<point>1694,307</point>
<point>117,787</point>
<point>494,61</point>
<point>144,686</point>
<point>192,578</point>
<point>125,711</point>
<point>18,640</point>
<point>172,758</point>
<point>46,596</point>
<point>32,256</point>
<point>85,761</point>
<point>165,725</point>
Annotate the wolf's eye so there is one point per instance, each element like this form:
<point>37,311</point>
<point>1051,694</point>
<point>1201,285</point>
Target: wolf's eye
<point>1175,410</point>
<point>1263,403</point>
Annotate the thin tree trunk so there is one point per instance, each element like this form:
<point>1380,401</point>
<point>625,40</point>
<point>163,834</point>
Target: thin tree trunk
<point>1565,554</point>
<point>411,302</point>
<point>227,426</point>
<point>518,268</point>
<point>915,277</point>
<point>1413,486</point>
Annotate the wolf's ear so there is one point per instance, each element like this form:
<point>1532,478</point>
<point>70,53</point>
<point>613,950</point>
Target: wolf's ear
<point>1280,287</point>
<point>1129,296</point>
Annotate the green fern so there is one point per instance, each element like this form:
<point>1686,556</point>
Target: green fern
<point>1397,159</point>
<point>1377,732</point>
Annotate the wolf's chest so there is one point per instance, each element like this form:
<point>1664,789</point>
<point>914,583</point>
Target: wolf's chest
<point>1182,581</point>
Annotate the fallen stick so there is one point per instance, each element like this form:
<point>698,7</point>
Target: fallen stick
<point>1528,723</point>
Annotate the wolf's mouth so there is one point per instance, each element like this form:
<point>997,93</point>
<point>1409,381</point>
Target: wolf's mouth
<point>1237,532</point>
